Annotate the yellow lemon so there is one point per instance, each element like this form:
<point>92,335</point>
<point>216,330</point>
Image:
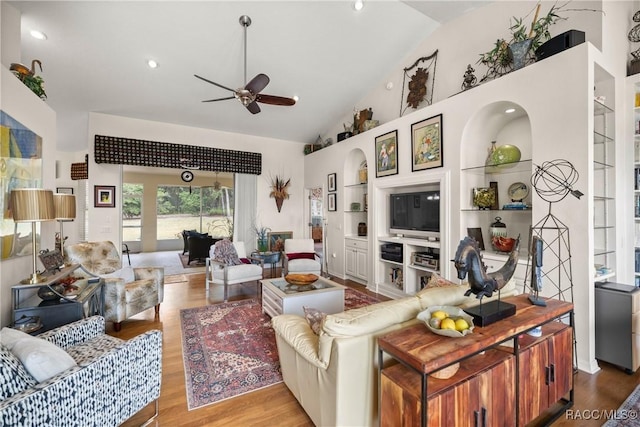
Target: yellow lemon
<point>439,314</point>
<point>461,325</point>
<point>448,324</point>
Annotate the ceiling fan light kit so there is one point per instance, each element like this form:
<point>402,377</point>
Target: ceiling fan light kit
<point>250,95</point>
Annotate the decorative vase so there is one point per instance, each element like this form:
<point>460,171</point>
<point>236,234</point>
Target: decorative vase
<point>504,156</point>
<point>497,229</point>
<point>518,52</point>
<point>279,201</point>
<point>263,245</point>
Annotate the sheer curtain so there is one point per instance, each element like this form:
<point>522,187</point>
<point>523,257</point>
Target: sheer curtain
<point>246,195</point>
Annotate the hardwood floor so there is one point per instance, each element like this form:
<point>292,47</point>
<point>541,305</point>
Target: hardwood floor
<point>274,405</point>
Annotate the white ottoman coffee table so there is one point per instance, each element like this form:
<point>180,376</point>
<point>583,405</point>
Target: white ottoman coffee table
<point>279,297</point>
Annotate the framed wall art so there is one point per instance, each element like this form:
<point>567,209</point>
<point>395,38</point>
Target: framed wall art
<point>387,154</point>
<point>476,234</point>
<point>426,144</point>
<point>20,167</point>
<point>331,202</point>
<point>104,196</point>
<point>276,240</point>
<point>331,182</point>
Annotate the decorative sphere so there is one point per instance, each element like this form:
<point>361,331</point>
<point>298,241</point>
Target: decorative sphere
<point>505,154</point>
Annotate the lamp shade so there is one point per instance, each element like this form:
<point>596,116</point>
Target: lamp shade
<point>64,206</point>
<point>32,205</point>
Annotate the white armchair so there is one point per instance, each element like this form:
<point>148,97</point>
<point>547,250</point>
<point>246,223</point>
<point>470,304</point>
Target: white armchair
<point>222,272</point>
<point>300,257</point>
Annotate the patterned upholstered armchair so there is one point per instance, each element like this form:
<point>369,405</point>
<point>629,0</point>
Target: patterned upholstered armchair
<point>111,381</point>
<point>128,291</point>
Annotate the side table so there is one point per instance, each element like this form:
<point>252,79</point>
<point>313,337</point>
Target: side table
<point>271,258</point>
<point>87,301</point>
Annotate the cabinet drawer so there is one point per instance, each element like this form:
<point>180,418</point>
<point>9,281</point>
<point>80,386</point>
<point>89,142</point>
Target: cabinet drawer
<point>355,244</point>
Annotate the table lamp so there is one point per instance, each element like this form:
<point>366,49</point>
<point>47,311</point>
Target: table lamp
<point>32,205</point>
<point>64,206</point>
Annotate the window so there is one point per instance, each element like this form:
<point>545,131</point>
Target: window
<point>132,212</point>
<point>206,209</point>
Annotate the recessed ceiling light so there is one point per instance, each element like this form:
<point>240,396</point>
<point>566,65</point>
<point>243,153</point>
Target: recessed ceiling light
<point>152,64</point>
<point>296,98</point>
<point>358,5</point>
<point>510,110</point>
<point>38,35</point>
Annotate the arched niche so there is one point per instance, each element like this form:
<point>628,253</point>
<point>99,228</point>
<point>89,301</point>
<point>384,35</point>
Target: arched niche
<point>355,191</point>
<point>353,162</point>
<point>493,123</point>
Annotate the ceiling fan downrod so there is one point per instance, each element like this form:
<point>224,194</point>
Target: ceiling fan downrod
<point>245,21</point>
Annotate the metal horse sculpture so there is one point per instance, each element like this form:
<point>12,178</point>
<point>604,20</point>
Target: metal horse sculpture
<point>469,260</point>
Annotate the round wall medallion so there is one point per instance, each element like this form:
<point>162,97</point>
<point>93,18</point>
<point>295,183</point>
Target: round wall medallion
<point>187,176</point>
<point>518,191</point>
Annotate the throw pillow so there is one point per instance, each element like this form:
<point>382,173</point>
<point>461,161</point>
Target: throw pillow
<point>315,318</point>
<point>225,252</point>
<point>301,255</point>
<point>42,359</point>
<point>13,377</point>
<point>436,281</point>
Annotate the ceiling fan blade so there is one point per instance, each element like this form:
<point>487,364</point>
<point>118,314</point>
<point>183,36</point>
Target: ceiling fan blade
<point>219,99</point>
<point>253,107</point>
<point>214,83</point>
<point>258,83</point>
<point>275,100</point>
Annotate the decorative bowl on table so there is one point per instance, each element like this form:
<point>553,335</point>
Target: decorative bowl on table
<point>300,279</point>
<point>451,312</point>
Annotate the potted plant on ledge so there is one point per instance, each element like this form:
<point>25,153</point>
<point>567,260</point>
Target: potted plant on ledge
<point>508,56</point>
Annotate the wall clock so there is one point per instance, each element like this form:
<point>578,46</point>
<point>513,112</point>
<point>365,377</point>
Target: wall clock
<point>187,176</point>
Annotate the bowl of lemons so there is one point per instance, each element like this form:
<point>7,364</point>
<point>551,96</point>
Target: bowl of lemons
<point>447,320</point>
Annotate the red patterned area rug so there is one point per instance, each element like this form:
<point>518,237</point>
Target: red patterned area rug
<point>230,349</point>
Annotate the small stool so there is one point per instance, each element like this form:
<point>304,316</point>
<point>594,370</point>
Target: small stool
<point>125,250</point>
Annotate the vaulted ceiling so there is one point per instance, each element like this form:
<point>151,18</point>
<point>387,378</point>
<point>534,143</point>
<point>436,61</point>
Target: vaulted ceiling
<point>324,52</point>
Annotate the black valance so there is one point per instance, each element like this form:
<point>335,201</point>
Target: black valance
<point>138,152</point>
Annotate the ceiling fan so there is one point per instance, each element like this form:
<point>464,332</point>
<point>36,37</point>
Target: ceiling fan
<point>250,95</point>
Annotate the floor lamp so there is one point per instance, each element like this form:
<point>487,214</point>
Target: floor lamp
<point>65,210</point>
<point>32,205</point>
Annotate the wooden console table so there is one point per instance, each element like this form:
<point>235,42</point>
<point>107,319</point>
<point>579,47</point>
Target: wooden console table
<point>506,376</point>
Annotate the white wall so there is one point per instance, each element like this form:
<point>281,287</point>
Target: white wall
<point>278,157</point>
<point>461,41</point>
<point>24,106</point>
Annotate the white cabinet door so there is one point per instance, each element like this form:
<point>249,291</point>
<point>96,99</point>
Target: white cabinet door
<point>361,264</point>
<point>350,261</point>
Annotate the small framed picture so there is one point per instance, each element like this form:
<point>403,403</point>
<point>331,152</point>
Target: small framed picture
<point>276,240</point>
<point>331,182</point>
<point>426,143</point>
<point>104,196</point>
<point>387,154</point>
<point>64,190</point>
<point>476,234</point>
<point>331,202</point>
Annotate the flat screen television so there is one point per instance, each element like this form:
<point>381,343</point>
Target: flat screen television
<point>415,214</point>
